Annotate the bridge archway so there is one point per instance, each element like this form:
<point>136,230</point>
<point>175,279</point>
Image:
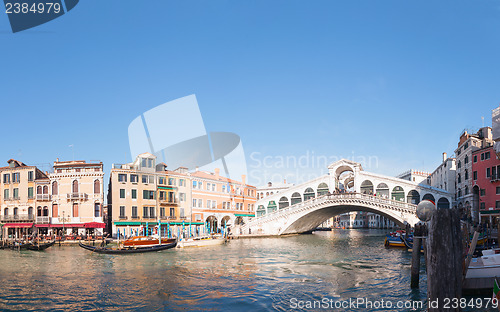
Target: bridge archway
<point>309,193</point>
<point>296,198</point>
<point>429,197</point>
<point>283,203</point>
<point>367,187</point>
<point>398,193</point>
<point>313,219</point>
<point>322,189</point>
<point>413,197</point>
<point>382,190</point>
<point>443,203</point>
<point>261,210</point>
<point>271,206</point>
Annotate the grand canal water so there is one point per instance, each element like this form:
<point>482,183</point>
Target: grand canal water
<point>247,274</point>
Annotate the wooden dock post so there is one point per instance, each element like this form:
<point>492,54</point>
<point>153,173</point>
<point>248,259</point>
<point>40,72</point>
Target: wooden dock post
<point>415,262</point>
<point>444,259</point>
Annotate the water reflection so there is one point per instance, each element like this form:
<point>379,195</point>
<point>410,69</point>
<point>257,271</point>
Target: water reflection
<point>246,274</point>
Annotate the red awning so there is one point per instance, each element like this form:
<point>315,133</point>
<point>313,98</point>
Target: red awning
<point>95,225</point>
<point>18,225</point>
<point>42,225</point>
<point>66,225</point>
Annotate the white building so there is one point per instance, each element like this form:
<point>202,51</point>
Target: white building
<point>271,189</point>
<point>444,175</point>
<point>416,176</point>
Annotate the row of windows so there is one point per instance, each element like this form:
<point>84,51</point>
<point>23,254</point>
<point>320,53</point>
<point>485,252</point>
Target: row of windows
<point>493,172</point>
<point>226,188</point>
<point>149,212</point>
<point>16,177</point>
<point>45,211</point>
<point>212,204</point>
<point>94,169</point>
<point>482,206</point>
<point>134,178</point>
<point>147,194</point>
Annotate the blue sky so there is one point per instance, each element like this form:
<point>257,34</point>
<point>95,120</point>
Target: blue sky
<point>398,80</point>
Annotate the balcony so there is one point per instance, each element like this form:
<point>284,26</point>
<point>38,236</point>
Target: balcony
<point>77,196</point>
<point>19,217</point>
<point>494,178</point>
<point>43,197</point>
<point>11,198</point>
<point>43,220</point>
<point>171,201</point>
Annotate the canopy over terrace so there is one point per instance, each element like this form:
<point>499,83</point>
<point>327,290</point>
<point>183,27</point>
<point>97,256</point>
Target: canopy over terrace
<point>16,230</point>
<point>80,228</point>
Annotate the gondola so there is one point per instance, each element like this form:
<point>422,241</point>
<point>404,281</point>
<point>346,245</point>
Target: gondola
<point>105,250</point>
<point>40,246</point>
<point>19,246</point>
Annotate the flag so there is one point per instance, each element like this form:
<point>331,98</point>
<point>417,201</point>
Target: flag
<point>496,291</point>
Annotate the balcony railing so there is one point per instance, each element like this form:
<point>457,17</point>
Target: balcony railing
<point>77,196</point>
<point>171,201</point>
<point>12,198</point>
<point>42,197</point>
<point>19,217</point>
<point>494,177</point>
<point>42,220</point>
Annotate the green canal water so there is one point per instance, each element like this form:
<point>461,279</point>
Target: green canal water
<point>244,275</point>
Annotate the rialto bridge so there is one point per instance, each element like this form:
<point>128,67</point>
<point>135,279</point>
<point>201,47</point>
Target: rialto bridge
<point>346,187</point>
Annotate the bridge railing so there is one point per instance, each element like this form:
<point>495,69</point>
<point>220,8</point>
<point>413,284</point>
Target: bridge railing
<point>317,200</point>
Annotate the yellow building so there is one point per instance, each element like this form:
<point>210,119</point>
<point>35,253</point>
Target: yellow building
<point>17,200</point>
<point>143,193</point>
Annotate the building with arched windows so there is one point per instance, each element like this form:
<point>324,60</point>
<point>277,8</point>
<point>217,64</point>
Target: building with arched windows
<point>70,199</point>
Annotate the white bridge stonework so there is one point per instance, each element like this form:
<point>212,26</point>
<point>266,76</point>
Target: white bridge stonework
<point>301,208</point>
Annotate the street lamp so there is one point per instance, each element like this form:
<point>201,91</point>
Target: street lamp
<point>63,220</point>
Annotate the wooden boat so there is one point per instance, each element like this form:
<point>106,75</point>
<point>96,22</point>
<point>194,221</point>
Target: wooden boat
<point>201,242</point>
<point>394,241</point>
<point>40,246</point>
<point>129,250</point>
<point>145,241</point>
<point>19,246</point>
<point>486,266</point>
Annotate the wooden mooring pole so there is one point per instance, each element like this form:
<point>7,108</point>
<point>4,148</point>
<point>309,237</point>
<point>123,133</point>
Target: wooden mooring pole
<point>415,262</point>
<point>444,260</point>
<point>415,256</point>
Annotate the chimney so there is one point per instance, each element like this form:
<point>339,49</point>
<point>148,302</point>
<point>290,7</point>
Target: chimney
<point>243,179</point>
<point>445,156</point>
<point>217,172</point>
<point>284,181</point>
<point>196,168</point>
<point>57,159</point>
